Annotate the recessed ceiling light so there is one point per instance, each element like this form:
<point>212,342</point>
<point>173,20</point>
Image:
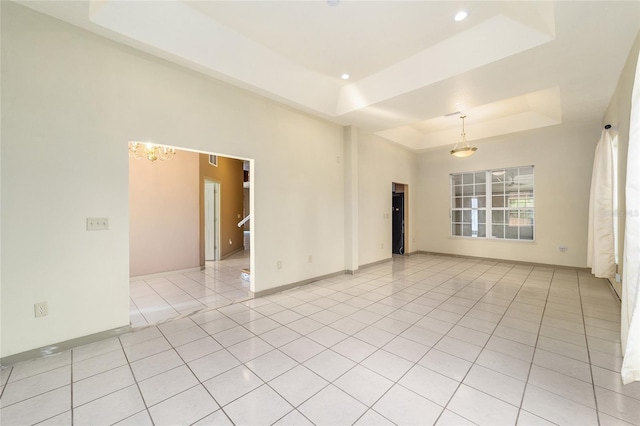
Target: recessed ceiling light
<point>345,76</point>
<point>460,16</point>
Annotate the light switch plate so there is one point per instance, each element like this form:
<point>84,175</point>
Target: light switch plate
<point>97,223</point>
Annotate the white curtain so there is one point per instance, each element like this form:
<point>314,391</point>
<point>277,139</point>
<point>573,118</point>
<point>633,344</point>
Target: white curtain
<point>600,242</point>
<point>630,330</point>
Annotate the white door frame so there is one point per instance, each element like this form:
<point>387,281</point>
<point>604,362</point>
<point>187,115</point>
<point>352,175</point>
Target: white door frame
<point>211,220</point>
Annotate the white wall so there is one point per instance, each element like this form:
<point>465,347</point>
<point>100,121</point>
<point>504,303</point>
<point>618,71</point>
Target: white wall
<point>70,102</point>
<point>380,163</point>
<point>563,158</point>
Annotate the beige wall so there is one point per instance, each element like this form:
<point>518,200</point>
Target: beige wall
<point>380,164</point>
<point>70,102</point>
<point>618,114</point>
<point>562,156</point>
<point>230,175</point>
<point>164,232</point>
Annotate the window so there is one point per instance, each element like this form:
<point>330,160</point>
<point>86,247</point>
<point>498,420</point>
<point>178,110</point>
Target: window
<point>496,204</point>
<point>213,160</point>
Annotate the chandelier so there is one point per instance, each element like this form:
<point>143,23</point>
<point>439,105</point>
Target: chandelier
<point>462,148</point>
<point>150,151</point>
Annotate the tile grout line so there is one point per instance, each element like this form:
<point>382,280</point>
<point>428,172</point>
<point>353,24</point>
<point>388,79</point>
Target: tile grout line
<point>593,382</point>
<point>535,348</point>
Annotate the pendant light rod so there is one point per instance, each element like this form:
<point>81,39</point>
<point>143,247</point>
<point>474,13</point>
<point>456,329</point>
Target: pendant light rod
<point>462,148</point>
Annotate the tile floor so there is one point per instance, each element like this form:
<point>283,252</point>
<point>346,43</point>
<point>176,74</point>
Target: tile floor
<point>421,340</point>
<point>157,299</point>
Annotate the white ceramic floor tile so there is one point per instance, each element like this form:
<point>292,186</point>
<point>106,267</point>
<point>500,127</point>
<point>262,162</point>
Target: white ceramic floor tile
<point>261,325</point>
<point>233,384</point>
<point>166,385</point>
<point>496,384</point>
<point>37,409</point>
<point>613,381</point>
<point>139,419</point>
<point>302,349</point>
<point>422,335</point>
<point>213,364</point>
<point>101,384</point>
<point>155,364</point>
<point>98,364</point>
<point>345,409</point>
<point>505,364</point>
<point>294,418</point>
<point>458,348</point>
<point>429,384</point>
<point>607,420</point>
<point>35,366</point>
<point>387,364</point>
<point>407,349</point>
<point>329,364</point>
<point>185,408</point>
<point>109,409</point>
<point>97,348</point>
<point>145,349</point>
<point>446,364</point>
<point>218,325</point>
<point>181,337</point>
<point>198,349</point>
<point>404,407</point>
<point>449,418</point>
<point>218,418</point>
<point>354,349</point>
<point>271,364</point>
<point>570,388</point>
<point>304,326</point>
<point>618,405</point>
<point>63,419</point>
<point>375,336</point>
<point>481,408</point>
<point>557,409</point>
<point>512,348</point>
<point>327,336</point>
<point>279,336</point>
<point>250,349</point>
<point>35,385</point>
<point>262,406</point>
<point>298,384</point>
<point>371,418</point>
<point>363,384</point>
<point>232,336</point>
<point>525,418</point>
<point>563,348</point>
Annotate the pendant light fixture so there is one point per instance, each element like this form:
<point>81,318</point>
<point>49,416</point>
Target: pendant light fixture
<point>462,148</point>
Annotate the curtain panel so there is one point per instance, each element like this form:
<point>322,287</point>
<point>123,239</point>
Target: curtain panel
<point>630,321</point>
<point>600,241</point>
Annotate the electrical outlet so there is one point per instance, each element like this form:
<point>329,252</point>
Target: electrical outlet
<point>310,258</point>
<point>279,264</point>
<point>41,309</point>
<point>563,249</point>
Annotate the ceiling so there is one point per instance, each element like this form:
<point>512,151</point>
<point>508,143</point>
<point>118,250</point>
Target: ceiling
<point>509,66</point>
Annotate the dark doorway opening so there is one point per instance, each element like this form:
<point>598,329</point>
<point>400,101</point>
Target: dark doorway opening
<point>398,223</point>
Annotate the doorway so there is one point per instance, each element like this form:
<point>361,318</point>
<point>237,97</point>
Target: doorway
<point>211,220</point>
<point>398,219</point>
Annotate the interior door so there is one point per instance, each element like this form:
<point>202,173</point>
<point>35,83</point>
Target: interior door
<point>398,223</point>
